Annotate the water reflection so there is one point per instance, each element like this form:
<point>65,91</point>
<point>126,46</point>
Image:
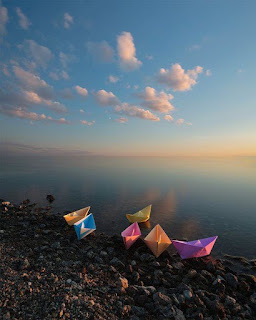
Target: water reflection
<point>191,198</point>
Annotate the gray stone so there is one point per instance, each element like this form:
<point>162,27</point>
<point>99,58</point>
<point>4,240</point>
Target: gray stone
<point>188,294</point>
<point>122,282</point>
<point>161,298</point>
<point>231,280</point>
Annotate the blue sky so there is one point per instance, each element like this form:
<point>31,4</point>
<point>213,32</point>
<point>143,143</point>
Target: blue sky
<point>129,78</point>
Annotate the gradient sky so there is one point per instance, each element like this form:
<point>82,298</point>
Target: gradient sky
<point>129,77</point>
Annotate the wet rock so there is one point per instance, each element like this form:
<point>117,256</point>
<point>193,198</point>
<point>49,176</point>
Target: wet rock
<point>138,311</point>
<point>229,301</point>
<point>231,280</point>
<point>192,273</point>
<point>146,257</point>
<point>178,265</point>
<point>122,282</point>
<point>117,263</point>
<point>161,298</point>
<point>219,279</point>
<point>50,198</point>
<point>188,294</point>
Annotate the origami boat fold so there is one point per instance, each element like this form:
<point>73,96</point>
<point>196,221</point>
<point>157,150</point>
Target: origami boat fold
<point>157,240</point>
<point>85,226</point>
<point>131,234</point>
<point>140,216</point>
<point>75,216</point>
<point>196,248</point>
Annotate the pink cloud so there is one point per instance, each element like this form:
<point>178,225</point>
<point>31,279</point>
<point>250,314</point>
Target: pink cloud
<point>87,123</point>
<point>127,52</point>
<point>158,101</point>
<point>134,111</point>
<point>68,20</point>
<point>177,79</point>
<point>105,98</point>
<point>81,91</point>
<point>121,120</point>
<point>168,117</point>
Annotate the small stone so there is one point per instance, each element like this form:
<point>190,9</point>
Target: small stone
<point>192,273</point>
<point>161,298</point>
<point>103,254</point>
<point>178,265</point>
<point>138,311</point>
<point>146,257</point>
<point>69,281</point>
<point>188,294</point>
<point>219,279</point>
<point>117,263</point>
<point>231,280</point>
<point>133,263</point>
<point>50,198</point>
<point>230,301</point>
<point>123,283</point>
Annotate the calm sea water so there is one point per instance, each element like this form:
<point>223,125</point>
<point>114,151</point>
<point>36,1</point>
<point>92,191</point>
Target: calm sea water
<point>192,197</point>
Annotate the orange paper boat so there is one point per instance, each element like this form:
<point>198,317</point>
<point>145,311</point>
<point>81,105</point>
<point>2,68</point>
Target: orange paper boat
<point>157,240</point>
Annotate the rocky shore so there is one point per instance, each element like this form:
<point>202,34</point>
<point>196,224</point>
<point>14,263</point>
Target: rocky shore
<point>46,273</point>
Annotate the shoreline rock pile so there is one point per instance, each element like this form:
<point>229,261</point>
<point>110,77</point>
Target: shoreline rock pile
<point>46,273</point>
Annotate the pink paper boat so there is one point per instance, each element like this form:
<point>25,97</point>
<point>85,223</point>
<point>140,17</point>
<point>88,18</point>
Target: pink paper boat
<point>196,248</point>
<point>131,234</point>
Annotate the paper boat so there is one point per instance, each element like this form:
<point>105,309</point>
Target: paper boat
<point>196,248</point>
<point>131,234</point>
<point>140,216</point>
<point>75,216</point>
<point>85,226</point>
<point>157,240</point>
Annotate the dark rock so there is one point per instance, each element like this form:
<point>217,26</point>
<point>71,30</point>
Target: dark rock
<point>138,311</point>
<point>50,198</point>
<point>146,257</point>
<point>231,280</point>
<point>161,298</point>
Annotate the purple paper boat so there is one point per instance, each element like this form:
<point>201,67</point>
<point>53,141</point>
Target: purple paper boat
<point>131,234</point>
<point>196,248</point>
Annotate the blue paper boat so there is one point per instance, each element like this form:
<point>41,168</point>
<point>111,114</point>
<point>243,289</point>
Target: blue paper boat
<point>85,226</point>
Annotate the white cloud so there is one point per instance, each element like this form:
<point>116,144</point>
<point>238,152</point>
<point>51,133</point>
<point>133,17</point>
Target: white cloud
<point>81,111</point>
<point>182,121</point>
<point>32,82</point>
<point>113,79</point>
<point>65,59</point>
<point>127,52</point>
<point>40,54</point>
<point>23,20</point>
<point>6,71</point>
<point>68,20</point>
<point>81,91</point>
<point>34,98</point>
<point>87,123</point>
<point>3,19</point>
<point>149,57</point>
<point>105,98</point>
<point>64,75</point>
<point>121,120</point>
<point>54,75</point>
<point>168,117</point>
<point>208,73</point>
<point>177,79</point>
<point>100,51</point>
<point>195,47</point>
<point>24,114</point>
<point>135,111</point>
<point>158,101</point>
